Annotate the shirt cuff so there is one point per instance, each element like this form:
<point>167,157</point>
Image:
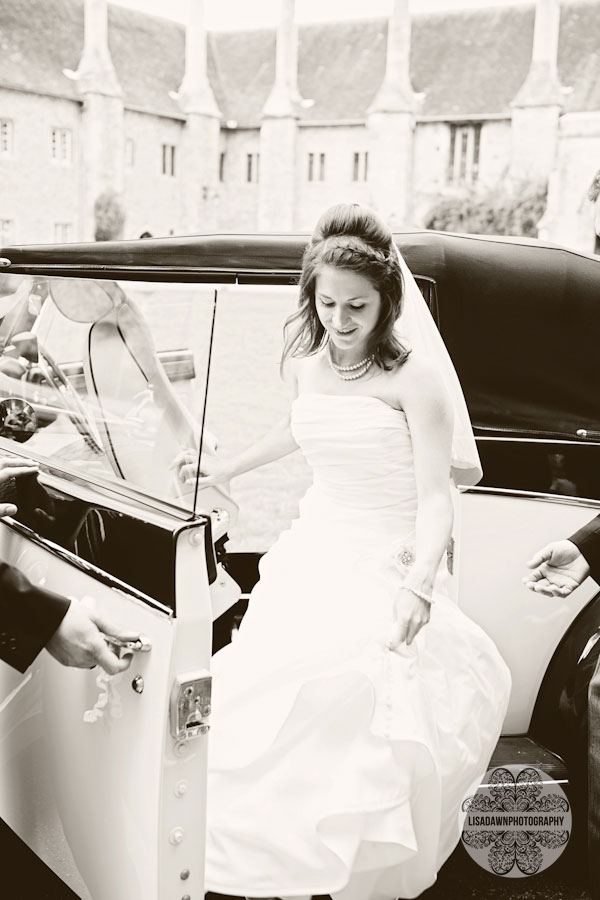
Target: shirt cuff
<point>587,539</point>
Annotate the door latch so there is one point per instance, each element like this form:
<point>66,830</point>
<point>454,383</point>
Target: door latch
<point>190,705</point>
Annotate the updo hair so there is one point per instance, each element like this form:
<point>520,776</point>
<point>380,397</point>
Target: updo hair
<point>349,236</point>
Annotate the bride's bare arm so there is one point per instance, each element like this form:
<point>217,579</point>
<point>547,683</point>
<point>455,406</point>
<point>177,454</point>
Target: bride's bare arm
<point>275,444</point>
<point>429,416</point>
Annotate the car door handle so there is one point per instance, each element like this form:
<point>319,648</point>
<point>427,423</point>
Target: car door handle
<point>586,433</point>
<point>141,644</point>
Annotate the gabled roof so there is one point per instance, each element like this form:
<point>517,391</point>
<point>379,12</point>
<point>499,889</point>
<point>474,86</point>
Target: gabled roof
<point>467,63</point>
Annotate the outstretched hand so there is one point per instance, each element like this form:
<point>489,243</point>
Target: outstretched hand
<point>558,568</point>
<point>80,641</point>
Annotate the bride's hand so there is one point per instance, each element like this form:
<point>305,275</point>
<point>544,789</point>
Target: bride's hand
<point>212,470</point>
<point>410,614</point>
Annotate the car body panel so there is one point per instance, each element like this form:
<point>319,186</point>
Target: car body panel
<point>499,531</point>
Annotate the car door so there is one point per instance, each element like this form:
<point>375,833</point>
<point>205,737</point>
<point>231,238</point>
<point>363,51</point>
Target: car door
<point>104,778</point>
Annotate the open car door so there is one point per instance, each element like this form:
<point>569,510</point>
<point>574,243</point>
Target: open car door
<point>108,775</point>
<point>104,778</point>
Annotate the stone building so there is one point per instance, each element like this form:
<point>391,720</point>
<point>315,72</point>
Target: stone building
<point>261,130</point>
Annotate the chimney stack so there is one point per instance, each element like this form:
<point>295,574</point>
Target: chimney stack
<point>391,125</point>
<point>537,106</point>
<point>195,92</point>
<point>278,133</point>
<point>96,72</point>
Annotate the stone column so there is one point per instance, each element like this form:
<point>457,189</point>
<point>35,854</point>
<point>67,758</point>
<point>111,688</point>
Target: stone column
<point>200,141</point>
<point>391,125</point>
<point>571,217</point>
<point>102,122</point>
<point>537,106</point>
<point>278,133</point>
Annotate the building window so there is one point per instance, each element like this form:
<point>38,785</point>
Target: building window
<point>62,146</point>
<point>63,231</point>
<point>168,159</point>
<point>360,166</point>
<point>221,167</point>
<point>463,162</point>
<point>6,232</point>
<point>252,161</point>
<point>6,137</point>
<point>316,167</point>
<point>129,153</point>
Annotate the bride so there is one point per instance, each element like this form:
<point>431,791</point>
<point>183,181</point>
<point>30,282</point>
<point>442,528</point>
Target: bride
<point>358,706</point>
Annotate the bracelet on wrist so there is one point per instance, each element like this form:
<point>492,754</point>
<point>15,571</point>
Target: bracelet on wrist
<point>420,594</point>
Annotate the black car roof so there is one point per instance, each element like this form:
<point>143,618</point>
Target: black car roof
<point>277,252</point>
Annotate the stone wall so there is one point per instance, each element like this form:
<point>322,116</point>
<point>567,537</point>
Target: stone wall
<point>237,203</point>
<point>339,143</point>
<point>569,217</point>
<point>152,199</point>
<point>38,193</point>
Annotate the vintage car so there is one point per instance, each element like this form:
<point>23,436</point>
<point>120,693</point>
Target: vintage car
<point>113,357</point>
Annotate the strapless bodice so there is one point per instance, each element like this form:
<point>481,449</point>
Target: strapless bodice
<point>360,451</point>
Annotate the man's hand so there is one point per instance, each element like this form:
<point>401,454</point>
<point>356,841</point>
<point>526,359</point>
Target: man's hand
<point>79,641</point>
<point>12,467</point>
<point>558,568</point>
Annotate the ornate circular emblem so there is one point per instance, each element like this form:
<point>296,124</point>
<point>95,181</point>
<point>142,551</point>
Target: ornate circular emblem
<point>517,823</point>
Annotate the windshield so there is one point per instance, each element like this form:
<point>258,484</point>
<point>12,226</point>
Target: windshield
<point>107,376</point>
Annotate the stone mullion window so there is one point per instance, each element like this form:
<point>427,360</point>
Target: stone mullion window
<point>6,137</point>
<point>252,166</point>
<point>168,159</point>
<point>312,173</point>
<point>360,166</point>
<point>61,146</point>
<point>129,153</point>
<point>476,149</point>
<point>463,161</point>
<point>62,231</point>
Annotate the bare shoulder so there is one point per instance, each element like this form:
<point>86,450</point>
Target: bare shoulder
<point>289,370</point>
<point>296,370</point>
<point>418,381</point>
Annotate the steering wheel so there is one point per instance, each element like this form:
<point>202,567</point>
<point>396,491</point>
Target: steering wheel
<point>69,398</point>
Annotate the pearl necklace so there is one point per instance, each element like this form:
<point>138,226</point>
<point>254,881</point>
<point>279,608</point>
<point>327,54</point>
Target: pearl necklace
<point>358,369</point>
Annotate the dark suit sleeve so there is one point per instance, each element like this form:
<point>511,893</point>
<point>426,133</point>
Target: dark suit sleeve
<point>588,541</point>
<point>29,616</point>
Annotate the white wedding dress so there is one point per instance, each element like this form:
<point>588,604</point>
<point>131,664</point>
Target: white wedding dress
<point>335,765</point>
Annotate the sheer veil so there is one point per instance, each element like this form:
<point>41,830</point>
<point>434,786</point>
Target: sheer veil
<point>417,329</point>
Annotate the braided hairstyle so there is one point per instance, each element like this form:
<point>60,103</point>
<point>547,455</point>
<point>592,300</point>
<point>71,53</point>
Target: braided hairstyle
<point>349,236</point>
